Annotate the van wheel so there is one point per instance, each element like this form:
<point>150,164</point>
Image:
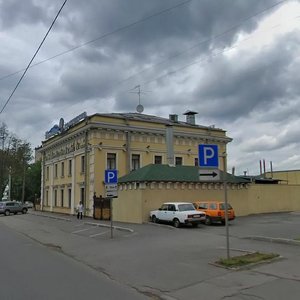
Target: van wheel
<point>208,220</point>
<point>176,223</point>
<point>7,212</point>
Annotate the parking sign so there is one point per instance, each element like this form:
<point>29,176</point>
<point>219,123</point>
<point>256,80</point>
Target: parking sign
<point>111,176</point>
<point>208,156</point>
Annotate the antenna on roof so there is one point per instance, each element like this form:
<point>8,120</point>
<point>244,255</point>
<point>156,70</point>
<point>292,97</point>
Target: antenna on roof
<point>137,90</point>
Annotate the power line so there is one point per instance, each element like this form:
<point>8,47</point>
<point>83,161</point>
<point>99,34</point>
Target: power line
<point>203,41</point>
<point>102,36</point>
<point>36,52</point>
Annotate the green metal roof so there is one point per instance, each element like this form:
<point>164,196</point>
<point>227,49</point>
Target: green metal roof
<point>168,173</point>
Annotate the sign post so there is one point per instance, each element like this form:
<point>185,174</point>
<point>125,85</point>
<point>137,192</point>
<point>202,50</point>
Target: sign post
<point>111,188</point>
<point>208,171</point>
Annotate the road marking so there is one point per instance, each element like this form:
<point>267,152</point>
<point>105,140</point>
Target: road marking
<point>96,234</point>
<point>77,231</point>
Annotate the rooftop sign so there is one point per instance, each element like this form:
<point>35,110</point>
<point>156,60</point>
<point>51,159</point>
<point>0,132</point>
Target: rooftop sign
<point>57,129</point>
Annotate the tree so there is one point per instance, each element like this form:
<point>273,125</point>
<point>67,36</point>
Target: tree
<point>33,182</point>
<point>15,155</point>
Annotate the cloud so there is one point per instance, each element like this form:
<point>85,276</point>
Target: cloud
<point>210,56</point>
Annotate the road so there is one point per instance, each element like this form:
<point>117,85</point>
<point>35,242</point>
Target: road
<point>31,271</point>
<point>161,262</point>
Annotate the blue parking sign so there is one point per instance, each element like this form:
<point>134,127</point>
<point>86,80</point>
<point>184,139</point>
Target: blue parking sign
<point>111,176</point>
<point>208,156</point>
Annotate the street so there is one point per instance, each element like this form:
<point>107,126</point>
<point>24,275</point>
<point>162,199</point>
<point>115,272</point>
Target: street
<point>30,270</point>
<point>150,261</point>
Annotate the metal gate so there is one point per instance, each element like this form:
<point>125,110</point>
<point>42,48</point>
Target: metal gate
<point>102,209</point>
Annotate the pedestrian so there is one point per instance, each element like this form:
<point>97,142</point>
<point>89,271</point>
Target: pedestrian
<point>79,210</point>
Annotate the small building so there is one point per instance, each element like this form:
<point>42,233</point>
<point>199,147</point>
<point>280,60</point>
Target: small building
<point>148,188</point>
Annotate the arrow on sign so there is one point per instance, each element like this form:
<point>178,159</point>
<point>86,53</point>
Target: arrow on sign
<point>213,174</point>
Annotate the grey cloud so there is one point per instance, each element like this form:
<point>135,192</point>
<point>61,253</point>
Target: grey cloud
<point>15,12</point>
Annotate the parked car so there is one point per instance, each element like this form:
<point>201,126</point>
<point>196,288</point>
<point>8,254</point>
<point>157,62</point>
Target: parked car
<point>178,213</point>
<point>215,211</point>
<point>8,207</point>
<point>28,204</point>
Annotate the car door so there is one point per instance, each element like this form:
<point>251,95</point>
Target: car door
<point>170,212</point>
<point>162,213</point>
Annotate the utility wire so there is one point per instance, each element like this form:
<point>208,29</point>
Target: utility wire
<point>103,36</point>
<point>203,41</point>
<point>36,52</point>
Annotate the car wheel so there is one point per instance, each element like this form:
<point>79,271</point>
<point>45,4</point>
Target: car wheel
<point>154,219</point>
<point>195,225</point>
<point>24,210</point>
<point>15,213</point>
<point>7,212</point>
<point>208,220</point>
<point>176,223</point>
<point>223,222</point>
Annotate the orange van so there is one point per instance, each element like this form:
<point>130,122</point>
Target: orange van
<point>215,211</point>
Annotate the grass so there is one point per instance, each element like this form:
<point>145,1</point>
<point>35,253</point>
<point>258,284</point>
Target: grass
<point>243,260</point>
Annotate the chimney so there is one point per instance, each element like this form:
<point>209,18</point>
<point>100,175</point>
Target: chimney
<point>170,147</point>
<point>190,117</point>
<point>173,118</point>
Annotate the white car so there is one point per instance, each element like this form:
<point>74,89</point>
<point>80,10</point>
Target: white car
<point>178,213</point>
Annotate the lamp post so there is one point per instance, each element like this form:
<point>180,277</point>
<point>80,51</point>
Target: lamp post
<point>9,184</point>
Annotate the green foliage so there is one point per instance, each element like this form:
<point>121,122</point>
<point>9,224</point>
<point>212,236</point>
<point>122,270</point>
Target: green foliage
<point>246,259</point>
<point>15,158</point>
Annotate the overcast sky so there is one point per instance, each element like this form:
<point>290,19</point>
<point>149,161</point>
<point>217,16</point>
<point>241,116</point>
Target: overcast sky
<point>235,62</point>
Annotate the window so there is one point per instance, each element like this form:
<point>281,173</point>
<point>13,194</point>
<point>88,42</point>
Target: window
<point>178,161</point>
<point>196,161</point>
<point>82,164</point>
<point>55,170</point>
<point>70,168</point>
<point>55,197</point>
<point>62,169</point>
<point>212,206</point>
<point>135,161</point>
<point>158,159</point>
<point>62,198</point>
<point>82,195</point>
<point>111,161</point>
<point>164,207</point>
<point>69,197</point>
<point>47,198</point>
<point>47,173</point>
<point>171,207</point>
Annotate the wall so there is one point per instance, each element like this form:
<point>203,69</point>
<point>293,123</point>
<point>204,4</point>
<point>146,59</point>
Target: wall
<point>133,205</point>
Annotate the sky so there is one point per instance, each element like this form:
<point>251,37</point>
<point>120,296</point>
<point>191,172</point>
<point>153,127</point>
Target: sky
<point>235,62</point>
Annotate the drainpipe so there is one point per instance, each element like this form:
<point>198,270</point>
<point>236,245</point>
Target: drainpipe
<point>128,151</point>
<point>86,192</point>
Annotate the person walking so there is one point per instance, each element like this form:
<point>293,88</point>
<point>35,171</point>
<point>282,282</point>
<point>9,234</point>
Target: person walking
<point>79,210</point>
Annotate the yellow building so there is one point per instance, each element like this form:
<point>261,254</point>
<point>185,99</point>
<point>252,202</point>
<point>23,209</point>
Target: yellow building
<point>75,155</point>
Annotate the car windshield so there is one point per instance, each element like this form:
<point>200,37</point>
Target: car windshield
<point>185,207</point>
<point>222,206</point>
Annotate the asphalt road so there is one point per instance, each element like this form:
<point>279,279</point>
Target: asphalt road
<point>161,262</point>
<point>30,270</point>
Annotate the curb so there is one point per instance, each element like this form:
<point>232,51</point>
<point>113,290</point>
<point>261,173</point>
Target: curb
<point>108,226</point>
<point>274,240</point>
<point>50,217</point>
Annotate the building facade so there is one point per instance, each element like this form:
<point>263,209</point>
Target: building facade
<point>75,155</point>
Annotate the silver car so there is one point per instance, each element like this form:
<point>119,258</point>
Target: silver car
<point>8,207</point>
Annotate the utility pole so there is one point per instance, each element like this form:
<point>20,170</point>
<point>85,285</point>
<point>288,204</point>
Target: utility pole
<point>9,184</point>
